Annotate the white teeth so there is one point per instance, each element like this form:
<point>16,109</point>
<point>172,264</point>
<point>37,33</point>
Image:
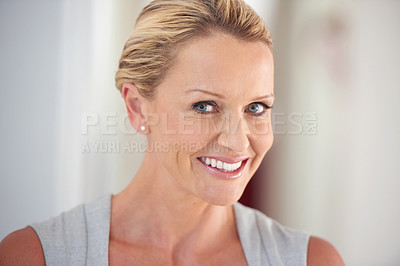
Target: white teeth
<point>227,166</point>
<point>222,166</point>
<point>237,165</point>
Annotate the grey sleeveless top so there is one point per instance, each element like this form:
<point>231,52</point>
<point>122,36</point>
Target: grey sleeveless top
<point>80,237</point>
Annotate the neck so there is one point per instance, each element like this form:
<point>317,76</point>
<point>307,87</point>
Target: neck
<point>152,209</point>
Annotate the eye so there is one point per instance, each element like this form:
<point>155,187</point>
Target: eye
<point>257,108</point>
<point>205,107</point>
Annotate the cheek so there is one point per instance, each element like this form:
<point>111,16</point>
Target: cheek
<point>182,134</point>
<point>260,145</point>
<point>265,143</point>
<point>261,136</point>
<point>194,133</point>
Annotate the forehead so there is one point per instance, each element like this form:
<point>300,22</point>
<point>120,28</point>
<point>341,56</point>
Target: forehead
<point>223,64</point>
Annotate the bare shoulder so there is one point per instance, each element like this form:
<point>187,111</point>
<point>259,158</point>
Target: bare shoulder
<point>21,247</point>
<point>321,252</point>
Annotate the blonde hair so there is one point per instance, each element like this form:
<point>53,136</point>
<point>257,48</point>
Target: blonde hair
<point>165,25</point>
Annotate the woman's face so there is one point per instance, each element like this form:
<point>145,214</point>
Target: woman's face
<point>210,122</point>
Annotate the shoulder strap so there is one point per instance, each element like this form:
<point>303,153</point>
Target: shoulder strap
<point>64,238</point>
<point>79,236</point>
<point>98,230</point>
<point>266,242</point>
<point>250,238</point>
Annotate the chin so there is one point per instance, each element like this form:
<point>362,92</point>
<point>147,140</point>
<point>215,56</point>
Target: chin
<point>222,196</point>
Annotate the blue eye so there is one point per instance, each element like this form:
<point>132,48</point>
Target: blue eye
<point>257,108</point>
<point>205,107</point>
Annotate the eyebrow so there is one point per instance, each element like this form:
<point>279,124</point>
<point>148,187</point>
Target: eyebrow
<point>269,96</point>
<point>206,92</point>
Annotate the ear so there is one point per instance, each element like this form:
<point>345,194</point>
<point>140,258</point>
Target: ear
<point>134,103</point>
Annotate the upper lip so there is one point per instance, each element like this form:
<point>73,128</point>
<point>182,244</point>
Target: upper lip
<point>227,159</point>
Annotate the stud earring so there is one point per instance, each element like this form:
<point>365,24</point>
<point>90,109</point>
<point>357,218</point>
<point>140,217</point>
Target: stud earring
<point>142,128</point>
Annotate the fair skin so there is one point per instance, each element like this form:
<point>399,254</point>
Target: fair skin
<point>178,209</point>
<point>185,203</point>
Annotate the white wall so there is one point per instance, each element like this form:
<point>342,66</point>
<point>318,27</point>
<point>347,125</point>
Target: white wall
<point>29,51</point>
<point>58,63</point>
<point>339,60</point>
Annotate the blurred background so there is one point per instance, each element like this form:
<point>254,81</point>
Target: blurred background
<point>334,167</point>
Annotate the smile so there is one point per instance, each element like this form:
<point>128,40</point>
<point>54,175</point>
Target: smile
<point>222,169</point>
<point>220,165</point>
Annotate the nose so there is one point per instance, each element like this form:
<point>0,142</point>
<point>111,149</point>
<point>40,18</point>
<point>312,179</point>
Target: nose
<point>234,134</point>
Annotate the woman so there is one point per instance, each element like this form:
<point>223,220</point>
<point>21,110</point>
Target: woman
<point>197,78</point>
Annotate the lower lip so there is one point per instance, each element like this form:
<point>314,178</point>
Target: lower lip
<point>225,175</point>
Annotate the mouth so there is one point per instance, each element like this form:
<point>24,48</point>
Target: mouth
<point>223,169</point>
